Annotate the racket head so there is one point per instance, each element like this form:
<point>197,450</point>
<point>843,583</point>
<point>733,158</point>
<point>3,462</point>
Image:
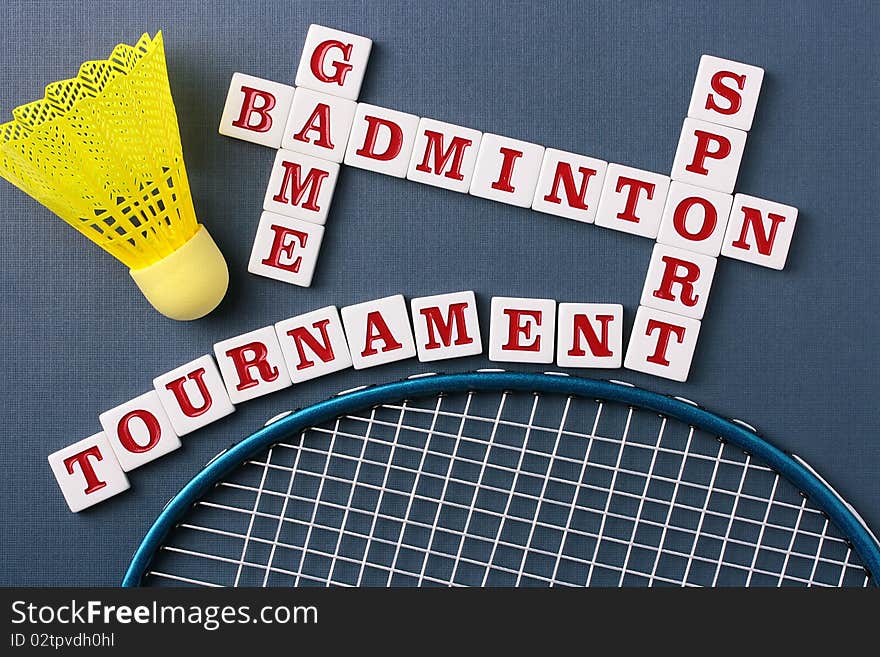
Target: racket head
<point>735,433</point>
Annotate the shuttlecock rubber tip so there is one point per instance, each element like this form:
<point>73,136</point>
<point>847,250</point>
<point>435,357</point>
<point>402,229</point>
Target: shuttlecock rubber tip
<point>190,282</point>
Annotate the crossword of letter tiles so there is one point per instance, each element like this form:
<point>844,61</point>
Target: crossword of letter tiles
<point>632,200</point>
<point>313,344</point>
<point>256,110</point>
<point>726,92</point>
<point>446,326</point>
<point>333,62</point>
<point>318,124</point>
<point>193,395</point>
<point>378,332</point>
<point>569,185</point>
<point>522,330</point>
<point>688,210</point>
<point>252,364</point>
<point>88,472</point>
<point>301,186</point>
<point>589,335</point>
<point>678,281</point>
<point>444,155</point>
<point>662,344</point>
<point>286,249</point>
<point>139,431</point>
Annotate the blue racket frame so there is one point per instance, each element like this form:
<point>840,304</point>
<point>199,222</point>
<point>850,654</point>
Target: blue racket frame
<point>790,467</point>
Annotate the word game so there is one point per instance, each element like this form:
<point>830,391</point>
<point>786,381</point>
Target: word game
<point>692,213</point>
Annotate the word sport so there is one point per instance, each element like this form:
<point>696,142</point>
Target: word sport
<point>701,220</point>
<point>317,343</point>
<point>692,213</point>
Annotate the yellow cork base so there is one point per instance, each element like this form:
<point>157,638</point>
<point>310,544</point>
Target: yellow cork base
<point>189,283</point>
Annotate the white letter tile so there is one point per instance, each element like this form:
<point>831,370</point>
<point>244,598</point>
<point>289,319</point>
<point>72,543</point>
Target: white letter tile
<point>378,332</point>
<point>522,330</point>
<point>446,326</point>
<point>313,344</point>
<point>88,472</point>
<point>139,431</point>
<point>193,395</point>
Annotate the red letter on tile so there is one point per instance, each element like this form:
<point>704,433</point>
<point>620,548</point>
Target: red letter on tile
<point>575,195</point>
<point>520,324</point>
<point>666,330</point>
<point>243,364</point>
<point>298,187</point>
<point>92,482</point>
<point>340,69</point>
<point>702,151</point>
<point>454,321</point>
<point>319,122</point>
<point>455,152</point>
<point>183,400</point>
<point>510,157</point>
<point>249,108</point>
<point>323,349</point>
<point>281,246</point>
<point>763,238</point>
<point>150,422</point>
<point>377,329</point>
<point>710,218</point>
<point>686,279</point>
<point>395,143</point>
<point>583,328</point>
<point>730,94</point>
<point>632,198</point>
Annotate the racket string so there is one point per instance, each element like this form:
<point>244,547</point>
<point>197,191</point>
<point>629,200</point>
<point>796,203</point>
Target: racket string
<point>583,469</point>
<point>642,498</point>
<point>552,478</point>
<point>253,517</point>
<point>459,559</point>
<point>545,525</point>
<point>440,492</point>
<point>608,499</point>
<point>446,479</point>
<point>347,510</point>
<point>511,545</point>
<point>502,542</point>
<point>419,469</point>
<point>543,493</point>
<point>674,496</point>
<point>510,498</point>
<point>703,512</point>
<point>599,438</point>
<point>315,507</point>
<point>382,490</point>
<point>279,526</point>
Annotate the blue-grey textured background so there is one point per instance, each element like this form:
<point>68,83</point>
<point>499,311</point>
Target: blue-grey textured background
<point>793,352</point>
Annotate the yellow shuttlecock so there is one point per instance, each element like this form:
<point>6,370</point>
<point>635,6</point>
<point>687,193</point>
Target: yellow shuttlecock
<point>102,151</point>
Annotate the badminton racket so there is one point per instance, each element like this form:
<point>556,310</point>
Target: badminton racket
<point>506,479</point>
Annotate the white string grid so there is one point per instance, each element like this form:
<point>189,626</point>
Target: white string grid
<point>505,489</point>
